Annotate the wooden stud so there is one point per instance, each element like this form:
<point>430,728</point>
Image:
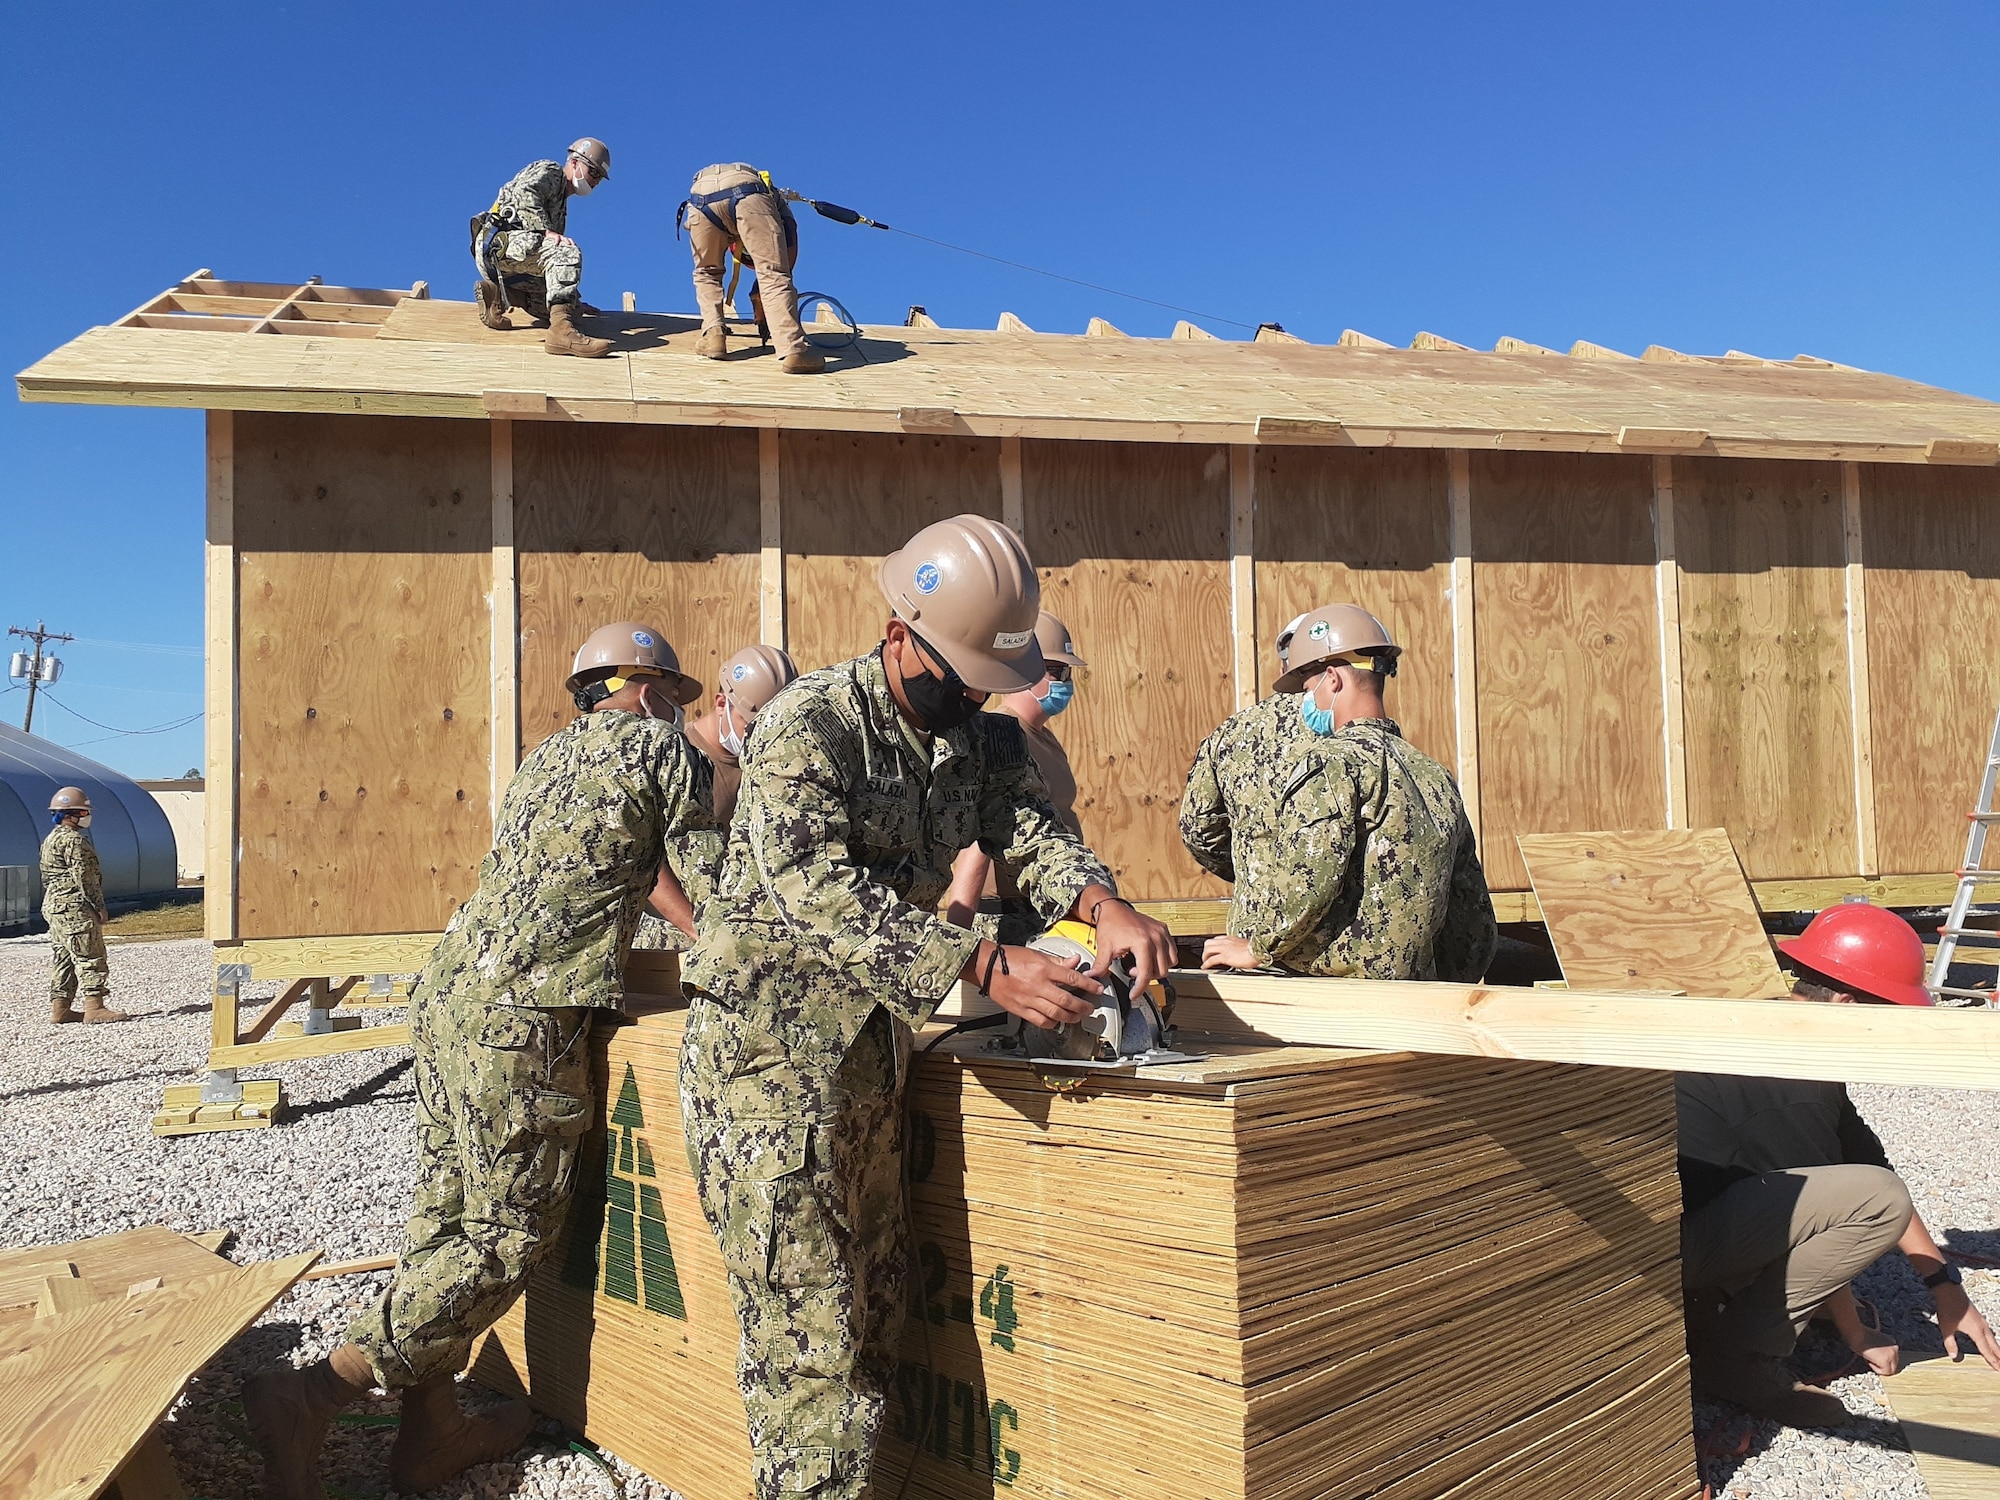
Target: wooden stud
<point>770,511</point>
<point>505,634</point>
<point>1857,675</point>
<point>1187,330</point>
<point>1437,341</point>
<point>1243,568</point>
<point>1668,570</point>
<point>225,1019</point>
<point>222,749</point>
<point>1100,329</point>
<point>1010,324</point>
<point>630,301</point>
<point>1354,338</point>
<point>1464,663</point>
<point>1013,500</point>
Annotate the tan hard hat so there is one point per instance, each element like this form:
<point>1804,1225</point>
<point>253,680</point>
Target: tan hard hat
<point>631,644</point>
<point>1054,639</point>
<point>1284,645</point>
<point>70,799</point>
<point>1332,631</point>
<point>967,587</point>
<point>751,678</point>
<point>594,151</point>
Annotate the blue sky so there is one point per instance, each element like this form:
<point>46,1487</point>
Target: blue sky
<point>1770,177</point>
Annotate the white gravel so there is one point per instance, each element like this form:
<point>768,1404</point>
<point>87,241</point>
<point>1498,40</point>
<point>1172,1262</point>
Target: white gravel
<point>78,1157</point>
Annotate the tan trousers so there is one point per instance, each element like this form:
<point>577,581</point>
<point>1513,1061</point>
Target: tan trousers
<point>762,226</point>
<point>1777,1246</point>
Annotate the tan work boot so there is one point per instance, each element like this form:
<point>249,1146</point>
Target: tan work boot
<point>713,344</point>
<point>94,1009</point>
<point>803,362</point>
<point>288,1412</point>
<point>490,311</point>
<point>563,338</point>
<point>436,1440</point>
<point>60,1011</point>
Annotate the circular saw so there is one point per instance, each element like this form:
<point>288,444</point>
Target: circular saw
<point>1123,1029</point>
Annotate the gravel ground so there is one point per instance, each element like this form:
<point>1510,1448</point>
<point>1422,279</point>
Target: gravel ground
<point>78,1157</point>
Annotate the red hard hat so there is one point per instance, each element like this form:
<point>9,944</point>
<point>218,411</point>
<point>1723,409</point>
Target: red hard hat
<point>1868,949</point>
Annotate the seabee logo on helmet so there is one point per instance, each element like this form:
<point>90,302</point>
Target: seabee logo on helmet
<point>642,638</point>
<point>739,672</point>
<point>928,578</point>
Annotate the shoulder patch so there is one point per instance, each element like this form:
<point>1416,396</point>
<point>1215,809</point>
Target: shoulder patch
<point>1006,743</point>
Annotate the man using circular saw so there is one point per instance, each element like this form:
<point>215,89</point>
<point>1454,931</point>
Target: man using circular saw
<point>1787,1195</point>
<point>1352,853</point>
<point>823,951</point>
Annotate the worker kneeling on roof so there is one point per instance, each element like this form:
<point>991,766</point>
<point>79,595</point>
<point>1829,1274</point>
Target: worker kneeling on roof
<point>1350,849</point>
<point>1787,1195</point>
<point>520,247</point>
<point>500,1021</point>
<point>733,206</point>
<point>978,886</point>
<point>823,949</point>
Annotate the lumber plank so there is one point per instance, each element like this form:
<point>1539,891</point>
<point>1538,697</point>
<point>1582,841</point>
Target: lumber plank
<point>1860,707</point>
<point>87,1388</point>
<point>1465,649</point>
<point>1324,430</point>
<point>1661,439</point>
<point>220,722</point>
<point>1243,571</point>
<point>503,627</point>
<point>321,957</point>
<point>148,1473</point>
<point>269,1053</point>
<point>1950,1416</point>
<point>1668,571</point>
<point>771,623</point>
<point>1663,910</point>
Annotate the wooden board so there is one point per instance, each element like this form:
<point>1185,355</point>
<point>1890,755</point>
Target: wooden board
<point>850,499</point>
<point>653,524</point>
<point>1132,543</point>
<point>1770,748</point>
<point>363,548</point>
<point>1950,1416</point>
<point>1570,709</point>
<point>1667,910</point>
<point>1933,564</point>
<point>1369,527</point>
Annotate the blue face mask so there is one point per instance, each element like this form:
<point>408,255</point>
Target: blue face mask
<point>1318,720</point>
<point>1056,699</point>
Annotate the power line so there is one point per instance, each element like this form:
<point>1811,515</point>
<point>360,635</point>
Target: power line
<point>115,730</point>
<point>160,647</point>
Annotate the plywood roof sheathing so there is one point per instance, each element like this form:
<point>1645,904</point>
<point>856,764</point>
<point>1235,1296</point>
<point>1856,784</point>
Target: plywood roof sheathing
<point>1099,329</point>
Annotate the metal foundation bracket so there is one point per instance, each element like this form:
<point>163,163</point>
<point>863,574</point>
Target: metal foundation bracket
<point>221,1087</point>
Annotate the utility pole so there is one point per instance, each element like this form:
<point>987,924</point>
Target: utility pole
<point>40,668</point>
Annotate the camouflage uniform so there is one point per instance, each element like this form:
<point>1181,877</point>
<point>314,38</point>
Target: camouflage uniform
<point>500,1021</point>
<point>1234,757</point>
<point>1353,857</point>
<point>72,896</point>
<point>526,222</point>
<point>824,951</point>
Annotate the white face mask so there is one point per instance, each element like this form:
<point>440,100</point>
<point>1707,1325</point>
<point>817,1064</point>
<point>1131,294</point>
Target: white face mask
<point>579,180</point>
<point>727,735</point>
<point>84,821</point>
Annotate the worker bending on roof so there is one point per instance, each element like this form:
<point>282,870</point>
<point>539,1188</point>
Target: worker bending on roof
<point>500,1021</point>
<point>1353,855</point>
<point>978,886</point>
<point>1787,1196</point>
<point>748,680</point>
<point>824,949</point>
<point>520,246</point>
<point>733,206</point>
<point>73,906</point>
<point>1225,765</point>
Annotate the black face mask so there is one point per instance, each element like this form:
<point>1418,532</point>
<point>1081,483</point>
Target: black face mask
<point>940,704</point>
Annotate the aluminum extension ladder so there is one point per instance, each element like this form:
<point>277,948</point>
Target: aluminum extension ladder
<point>1970,877</point>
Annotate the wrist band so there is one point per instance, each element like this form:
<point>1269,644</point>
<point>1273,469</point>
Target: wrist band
<point>1104,901</point>
<point>999,957</point>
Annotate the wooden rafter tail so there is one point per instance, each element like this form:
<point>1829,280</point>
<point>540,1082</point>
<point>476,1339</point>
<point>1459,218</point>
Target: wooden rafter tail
<point>1521,346</point>
<point>1187,330</point>
<point>1010,324</point>
<point>1098,328</point>
<point>1354,338</point>
<point>1584,349</point>
<point>1438,342</point>
<point>1953,450</point>
<point>1661,439</point>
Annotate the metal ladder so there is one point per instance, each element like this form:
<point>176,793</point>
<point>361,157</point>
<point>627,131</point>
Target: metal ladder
<point>1970,876</point>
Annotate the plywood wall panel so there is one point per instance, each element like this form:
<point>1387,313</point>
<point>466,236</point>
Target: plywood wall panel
<point>1367,526</point>
<point>850,499</point>
<point>363,546</point>
<point>631,523</point>
<point>1770,749</point>
<point>1567,632</point>
<point>1132,542</point>
<point>1931,543</point>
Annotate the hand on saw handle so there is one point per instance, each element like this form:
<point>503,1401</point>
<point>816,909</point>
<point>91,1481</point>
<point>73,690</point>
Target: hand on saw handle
<point>1041,990</point>
<point>1122,932</point>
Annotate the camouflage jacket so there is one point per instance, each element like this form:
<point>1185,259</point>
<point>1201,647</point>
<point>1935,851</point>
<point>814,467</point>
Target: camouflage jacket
<point>1236,756</point>
<point>581,833</point>
<point>537,197</point>
<point>72,879</point>
<point>1354,858</point>
<point>842,846</point>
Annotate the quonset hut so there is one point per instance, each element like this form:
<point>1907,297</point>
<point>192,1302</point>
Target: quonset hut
<point>1651,592</point>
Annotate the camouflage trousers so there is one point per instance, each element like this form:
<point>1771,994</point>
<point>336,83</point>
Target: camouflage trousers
<point>552,264</point>
<point>503,1096</point>
<point>801,1180</point>
<point>77,958</point>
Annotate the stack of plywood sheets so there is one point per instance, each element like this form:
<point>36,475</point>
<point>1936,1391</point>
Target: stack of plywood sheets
<point>1284,1272</point>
